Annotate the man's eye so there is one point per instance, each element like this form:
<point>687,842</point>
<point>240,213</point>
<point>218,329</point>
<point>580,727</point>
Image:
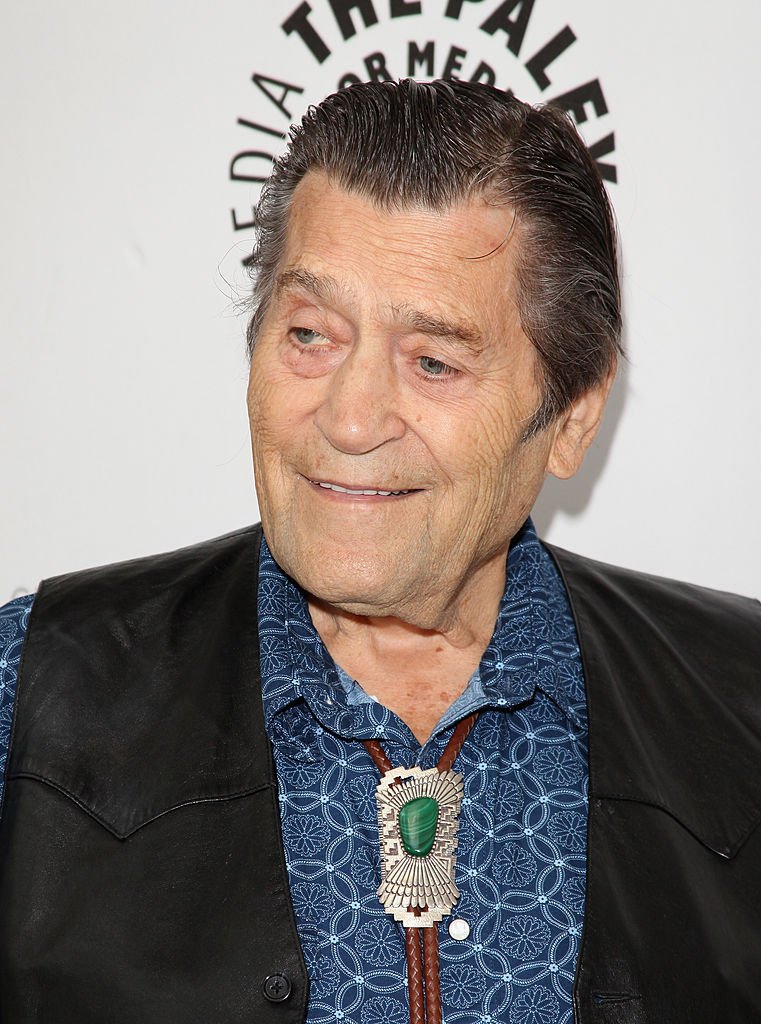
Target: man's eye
<point>306,336</point>
<point>435,367</point>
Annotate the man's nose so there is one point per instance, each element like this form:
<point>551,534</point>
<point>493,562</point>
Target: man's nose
<point>360,411</point>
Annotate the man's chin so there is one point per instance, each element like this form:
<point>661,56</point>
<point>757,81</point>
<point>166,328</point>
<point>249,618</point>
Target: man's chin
<point>354,576</point>
<point>367,595</point>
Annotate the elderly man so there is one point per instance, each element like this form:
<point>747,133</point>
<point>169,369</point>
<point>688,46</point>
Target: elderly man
<point>335,768</point>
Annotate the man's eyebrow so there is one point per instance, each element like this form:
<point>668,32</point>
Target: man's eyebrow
<point>321,286</point>
<point>460,331</point>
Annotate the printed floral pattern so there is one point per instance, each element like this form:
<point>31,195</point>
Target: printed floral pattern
<point>515,866</point>
<point>536,1005</point>
<point>377,943</point>
<point>569,827</point>
<point>461,985</point>
<point>323,974</point>
<point>383,1010</point>
<point>558,767</point>
<point>574,892</point>
<point>305,835</point>
<point>524,936</point>
<point>366,866</point>
<point>317,901</point>
<point>508,799</point>
<point>361,794</point>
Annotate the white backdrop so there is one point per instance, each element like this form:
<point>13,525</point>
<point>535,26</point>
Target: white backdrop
<point>123,373</point>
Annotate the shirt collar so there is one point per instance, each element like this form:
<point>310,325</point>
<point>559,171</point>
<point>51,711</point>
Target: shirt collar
<point>534,644</point>
<point>530,648</point>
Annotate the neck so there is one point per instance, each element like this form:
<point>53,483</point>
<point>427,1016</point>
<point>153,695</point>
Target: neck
<point>414,670</point>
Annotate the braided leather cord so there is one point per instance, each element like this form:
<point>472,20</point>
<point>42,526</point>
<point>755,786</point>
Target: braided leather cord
<point>431,972</point>
<point>378,754</point>
<point>415,975</point>
<point>456,740</point>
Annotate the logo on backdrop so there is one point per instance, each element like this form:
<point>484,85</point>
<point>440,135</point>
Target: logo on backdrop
<point>324,45</point>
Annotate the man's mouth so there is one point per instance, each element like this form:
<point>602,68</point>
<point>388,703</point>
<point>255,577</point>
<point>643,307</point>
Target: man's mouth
<point>359,492</point>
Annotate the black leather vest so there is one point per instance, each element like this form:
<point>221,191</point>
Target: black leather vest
<point>142,878</point>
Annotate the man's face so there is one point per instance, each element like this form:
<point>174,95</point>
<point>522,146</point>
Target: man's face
<point>390,388</point>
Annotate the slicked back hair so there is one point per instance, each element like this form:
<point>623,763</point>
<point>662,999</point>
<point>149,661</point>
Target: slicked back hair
<point>406,145</point>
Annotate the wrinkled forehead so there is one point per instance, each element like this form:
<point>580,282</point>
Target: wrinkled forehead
<point>468,245</point>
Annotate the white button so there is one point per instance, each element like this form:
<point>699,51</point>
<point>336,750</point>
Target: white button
<point>459,929</point>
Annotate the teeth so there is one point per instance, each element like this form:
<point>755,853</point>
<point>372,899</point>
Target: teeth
<point>348,490</point>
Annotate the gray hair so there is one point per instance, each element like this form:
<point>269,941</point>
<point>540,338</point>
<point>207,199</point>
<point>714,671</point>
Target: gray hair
<point>409,144</point>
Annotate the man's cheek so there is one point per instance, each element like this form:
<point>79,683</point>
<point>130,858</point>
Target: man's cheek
<point>268,409</point>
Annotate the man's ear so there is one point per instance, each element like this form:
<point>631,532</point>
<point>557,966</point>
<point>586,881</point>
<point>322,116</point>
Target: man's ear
<point>575,429</point>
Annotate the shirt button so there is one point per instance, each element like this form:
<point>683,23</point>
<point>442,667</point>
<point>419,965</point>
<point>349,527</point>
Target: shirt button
<point>277,988</point>
<point>459,929</point>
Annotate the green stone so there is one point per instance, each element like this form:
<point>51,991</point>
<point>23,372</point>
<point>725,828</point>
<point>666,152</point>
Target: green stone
<point>417,825</point>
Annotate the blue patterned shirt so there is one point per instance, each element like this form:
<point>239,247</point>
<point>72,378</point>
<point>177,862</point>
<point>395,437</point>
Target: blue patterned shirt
<point>521,856</point>
<point>14,618</point>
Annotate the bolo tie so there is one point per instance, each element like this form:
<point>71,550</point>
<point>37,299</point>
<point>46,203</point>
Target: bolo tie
<point>418,821</point>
